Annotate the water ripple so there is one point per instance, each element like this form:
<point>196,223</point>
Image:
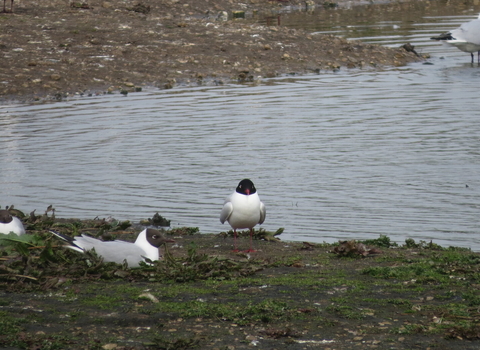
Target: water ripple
<point>334,156</point>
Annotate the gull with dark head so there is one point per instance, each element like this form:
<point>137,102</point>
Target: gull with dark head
<point>243,209</point>
<point>10,223</point>
<point>146,246</point>
<point>465,38</point>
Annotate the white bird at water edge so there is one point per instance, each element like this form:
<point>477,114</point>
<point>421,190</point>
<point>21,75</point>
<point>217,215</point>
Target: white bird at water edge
<point>465,38</point>
<point>243,209</point>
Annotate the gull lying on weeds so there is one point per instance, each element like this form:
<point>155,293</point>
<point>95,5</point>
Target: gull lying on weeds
<point>10,223</point>
<point>145,247</point>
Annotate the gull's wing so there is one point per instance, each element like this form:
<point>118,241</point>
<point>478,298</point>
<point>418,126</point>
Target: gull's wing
<point>263,213</point>
<point>226,210</point>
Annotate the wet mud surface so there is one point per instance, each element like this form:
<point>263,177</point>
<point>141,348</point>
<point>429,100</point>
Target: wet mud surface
<point>202,295</point>
<point>55,49</point>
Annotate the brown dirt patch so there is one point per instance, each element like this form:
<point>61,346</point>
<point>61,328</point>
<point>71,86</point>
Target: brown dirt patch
<point>53,49</point>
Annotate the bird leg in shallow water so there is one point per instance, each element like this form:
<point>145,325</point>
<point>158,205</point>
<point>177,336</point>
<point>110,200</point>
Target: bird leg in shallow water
<point>473,57</point>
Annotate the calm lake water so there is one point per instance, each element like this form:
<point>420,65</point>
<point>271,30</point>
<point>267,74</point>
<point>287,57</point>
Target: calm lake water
<point>347,155</point>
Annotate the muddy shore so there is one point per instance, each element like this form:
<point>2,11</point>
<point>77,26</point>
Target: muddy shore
<point>202,295</point>
<point>54,49</point>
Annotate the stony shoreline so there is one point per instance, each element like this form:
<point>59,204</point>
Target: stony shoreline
<point>52,50</point>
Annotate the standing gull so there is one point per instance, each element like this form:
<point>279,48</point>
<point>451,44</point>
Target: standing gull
<point>145,247</point>
<point>465,38</point>
<point>243,209</point>
<point>9,223</point>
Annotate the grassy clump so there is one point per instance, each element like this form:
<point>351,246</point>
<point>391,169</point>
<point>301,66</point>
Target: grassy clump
<point>203,295</point>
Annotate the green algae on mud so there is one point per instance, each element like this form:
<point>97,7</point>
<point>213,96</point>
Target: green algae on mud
<point>287,295</point>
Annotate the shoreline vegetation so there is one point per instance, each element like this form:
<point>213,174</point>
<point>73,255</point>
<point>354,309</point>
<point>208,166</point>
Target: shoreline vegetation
<point>287,295</point>
<point>53,50</point>
<point>373,294</point>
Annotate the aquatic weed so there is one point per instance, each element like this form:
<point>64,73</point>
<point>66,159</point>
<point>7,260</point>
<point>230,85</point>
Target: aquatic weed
<point>201,266</point>
<point>383,241</point>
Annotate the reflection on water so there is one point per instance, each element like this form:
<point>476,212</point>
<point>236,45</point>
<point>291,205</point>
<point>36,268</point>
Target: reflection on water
<point>334,156</point>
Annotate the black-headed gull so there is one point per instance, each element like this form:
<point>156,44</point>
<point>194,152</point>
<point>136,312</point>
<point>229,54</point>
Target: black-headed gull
<point>146,246</point>
<point>243,209</point>
<point>465,38</point>
<point>9,223</point>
